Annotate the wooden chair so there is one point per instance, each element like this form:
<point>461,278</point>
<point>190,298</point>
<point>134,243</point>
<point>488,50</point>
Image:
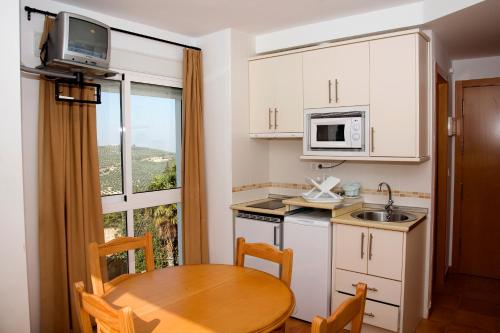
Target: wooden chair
<point>96,251</point>
<point>266,252</point>
<point>107,318</point>
<point>352,310</point>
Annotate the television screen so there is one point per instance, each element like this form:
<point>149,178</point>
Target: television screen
<point>87,38</point>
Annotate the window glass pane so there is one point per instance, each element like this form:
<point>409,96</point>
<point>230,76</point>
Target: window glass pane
<point>109,138</point>
<point>161,221</point>
<point>156,137</point>
<point>115,225</point>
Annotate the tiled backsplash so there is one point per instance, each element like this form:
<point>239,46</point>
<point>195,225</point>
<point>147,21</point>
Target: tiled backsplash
<point>397,193</point>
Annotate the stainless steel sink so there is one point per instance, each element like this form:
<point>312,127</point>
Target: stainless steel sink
<point>384,216</point>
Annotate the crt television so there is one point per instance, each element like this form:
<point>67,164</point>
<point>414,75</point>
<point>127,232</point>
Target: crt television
<point>79,39</point>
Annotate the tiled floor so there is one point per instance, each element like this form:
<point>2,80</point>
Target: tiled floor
<point>465,304</point>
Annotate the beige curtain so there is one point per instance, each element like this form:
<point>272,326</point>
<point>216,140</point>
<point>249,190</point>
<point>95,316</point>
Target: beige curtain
<point>195,233</point>
<point>70,213</point>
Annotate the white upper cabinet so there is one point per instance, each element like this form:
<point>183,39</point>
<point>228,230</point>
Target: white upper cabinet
<point>337,76</point>
<point>276,102</point>
<point>388,73</point>
<point>398,96</point>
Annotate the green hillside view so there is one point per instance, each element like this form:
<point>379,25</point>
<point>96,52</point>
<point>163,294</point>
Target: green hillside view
<point>152,170</point>
<point>146,164</point>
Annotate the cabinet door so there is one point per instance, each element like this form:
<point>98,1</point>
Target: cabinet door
<point>337,76</point>
<point>261,95</point>
<point>385,253</point>
<point>393,96</point>
<point>351,248</point>
<point>288,109</point>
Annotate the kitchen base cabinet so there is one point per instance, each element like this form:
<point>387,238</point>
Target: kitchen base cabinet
<point>371,251</point>
<point>392,264</point>
<point>377,314</point>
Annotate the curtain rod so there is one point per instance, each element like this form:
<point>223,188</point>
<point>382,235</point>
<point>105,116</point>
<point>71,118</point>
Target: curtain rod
<point>31,10</point>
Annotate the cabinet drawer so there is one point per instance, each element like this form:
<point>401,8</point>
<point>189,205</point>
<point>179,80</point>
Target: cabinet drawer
<point>379,289</point>
<point>376,314</point>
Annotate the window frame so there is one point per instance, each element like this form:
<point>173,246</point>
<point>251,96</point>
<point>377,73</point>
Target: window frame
<point>129,201</point>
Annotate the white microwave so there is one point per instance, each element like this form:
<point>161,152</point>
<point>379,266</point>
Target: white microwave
<point>336,131</point>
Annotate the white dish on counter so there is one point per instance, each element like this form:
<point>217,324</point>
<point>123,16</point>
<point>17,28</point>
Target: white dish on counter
<point>323,198</point>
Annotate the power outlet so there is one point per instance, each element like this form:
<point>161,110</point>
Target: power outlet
<point>321,166</point>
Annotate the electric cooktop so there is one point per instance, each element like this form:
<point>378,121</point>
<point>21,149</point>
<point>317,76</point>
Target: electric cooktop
<point>270,204</point>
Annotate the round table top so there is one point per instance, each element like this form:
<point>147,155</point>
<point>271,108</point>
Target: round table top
<point>204,298</point>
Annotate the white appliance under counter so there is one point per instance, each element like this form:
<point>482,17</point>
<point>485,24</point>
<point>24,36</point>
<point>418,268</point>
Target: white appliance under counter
<point>309,234</point>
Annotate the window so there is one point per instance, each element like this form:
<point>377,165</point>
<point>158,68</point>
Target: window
<point>139,129</point>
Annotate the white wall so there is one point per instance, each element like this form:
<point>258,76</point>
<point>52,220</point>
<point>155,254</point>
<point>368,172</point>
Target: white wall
<point>478,68</point>
<point>399,17</point>
<point>14,307</point>
<point>249,156</point>
<point>434,9</point>
<point>217,117</point>
<point>127,53</point>
<point>439,57</point>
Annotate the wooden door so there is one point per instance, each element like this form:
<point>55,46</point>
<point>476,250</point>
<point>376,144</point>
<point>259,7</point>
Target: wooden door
<point>440,260</point>
<point>288,109</point>
<point>385,253</point>
<point>393,96</point>
<point>351,248</point>
<point>337,76</point>
<point>261,95</point>
<point>479,250</point>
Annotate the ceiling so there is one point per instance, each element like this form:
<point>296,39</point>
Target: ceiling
<point>472,32</point>
<point>200,17</point>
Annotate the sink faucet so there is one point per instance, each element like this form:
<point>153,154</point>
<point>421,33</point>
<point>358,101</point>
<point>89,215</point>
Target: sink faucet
<point>388,207</point>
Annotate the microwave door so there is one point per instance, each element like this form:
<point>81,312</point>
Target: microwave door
<point>330,133</point>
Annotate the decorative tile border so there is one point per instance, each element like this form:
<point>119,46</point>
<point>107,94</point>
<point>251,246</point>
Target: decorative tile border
<point>305,187</point>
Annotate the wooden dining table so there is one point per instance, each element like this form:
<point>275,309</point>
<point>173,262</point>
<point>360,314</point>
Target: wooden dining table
<point>204,298</point>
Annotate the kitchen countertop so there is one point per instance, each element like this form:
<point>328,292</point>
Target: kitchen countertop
<point>243,206</point>
<point>420,213</point>
<point>338,208</point>
<point>296,203</point>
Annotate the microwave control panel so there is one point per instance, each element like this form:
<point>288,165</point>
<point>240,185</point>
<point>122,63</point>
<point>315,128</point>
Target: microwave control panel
<point>356,132</point>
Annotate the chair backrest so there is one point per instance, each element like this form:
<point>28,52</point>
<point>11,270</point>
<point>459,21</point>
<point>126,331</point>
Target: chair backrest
<point>96,251</point>
<point>267,252</point>
<point>107,318</point>
<point>351,311</point>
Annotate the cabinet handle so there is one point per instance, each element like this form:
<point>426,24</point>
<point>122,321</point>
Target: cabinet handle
<point>336,91</point>
<point>370,242</point>
<point>369,314</point>
<point>329,91</point>
<point>362,244</point>
<point>276,238</point>
<point>269,119</point>
<point>368,288</point>
<point>275,118</point>
<point>372,135</point>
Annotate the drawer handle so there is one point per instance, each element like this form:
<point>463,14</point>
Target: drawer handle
<point>368,288</point>
<point>369,314</point>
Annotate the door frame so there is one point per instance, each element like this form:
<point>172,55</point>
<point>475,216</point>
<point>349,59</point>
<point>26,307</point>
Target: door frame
<point>441,206</point>
<point>458,190</point>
